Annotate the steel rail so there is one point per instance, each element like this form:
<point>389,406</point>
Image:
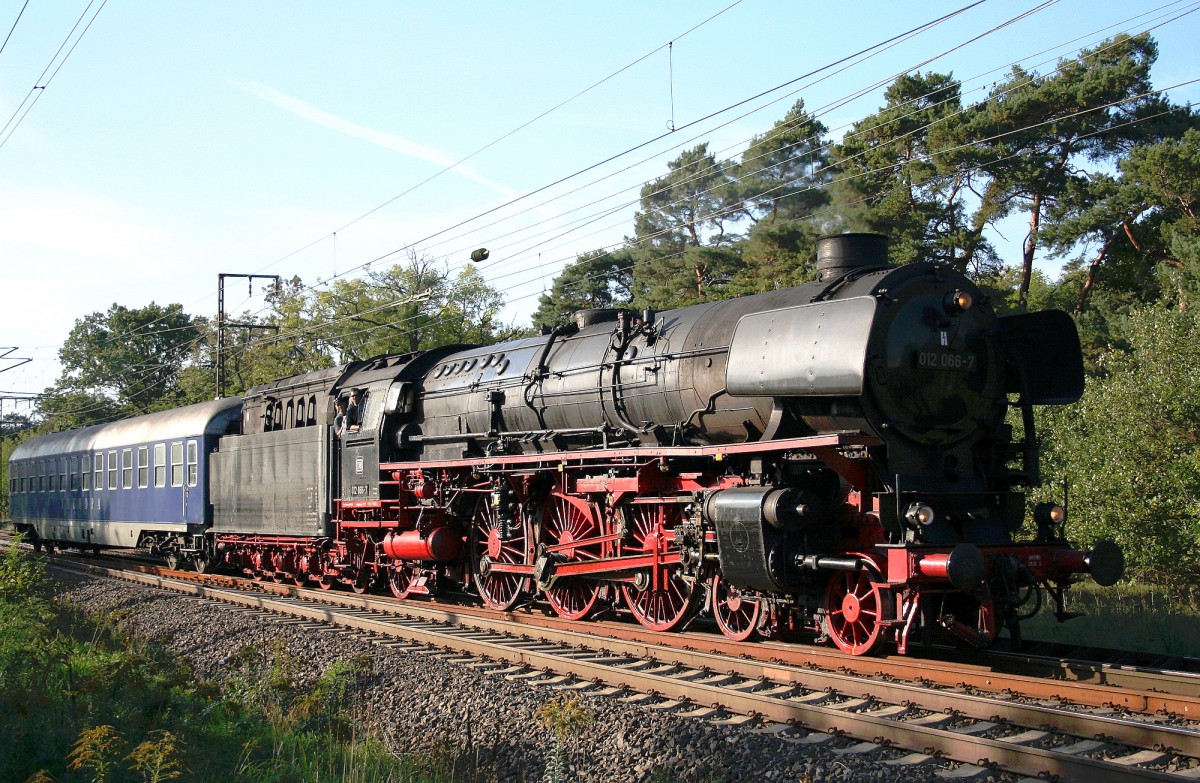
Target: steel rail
<point>880,730</point>
<point>691,648</point>
<point>1135,689</point>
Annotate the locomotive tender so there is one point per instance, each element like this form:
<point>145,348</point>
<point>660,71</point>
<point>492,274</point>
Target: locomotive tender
<point>834,457</point>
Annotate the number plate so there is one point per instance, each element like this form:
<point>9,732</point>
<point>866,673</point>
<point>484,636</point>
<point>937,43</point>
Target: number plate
<point>957,361</point>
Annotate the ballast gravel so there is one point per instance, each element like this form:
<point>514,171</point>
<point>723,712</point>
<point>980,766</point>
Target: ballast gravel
<point>422,704</point>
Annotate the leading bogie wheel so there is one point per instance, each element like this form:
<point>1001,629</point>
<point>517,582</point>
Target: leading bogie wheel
<point>739,616</point>
<point>852,612</point>
<point>400,579</point>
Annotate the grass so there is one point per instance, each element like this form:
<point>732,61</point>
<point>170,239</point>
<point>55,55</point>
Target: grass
<point>80,702</point>
<point>1128,616</point>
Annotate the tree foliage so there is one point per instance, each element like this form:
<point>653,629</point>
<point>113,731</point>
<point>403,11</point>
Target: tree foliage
<point>122,362</point>
<point>1130,450</point>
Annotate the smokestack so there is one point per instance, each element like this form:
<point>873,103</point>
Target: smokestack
<point>842,253</point>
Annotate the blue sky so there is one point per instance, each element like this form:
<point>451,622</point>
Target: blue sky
<point>183,139</point>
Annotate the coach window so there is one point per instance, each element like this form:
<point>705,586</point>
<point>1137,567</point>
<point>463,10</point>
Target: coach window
<point>193,467</point>
<point>160,464</point>
<point>86,475</point>
<point>22,472</point>
<point>177,464</point>
<point>40,473</point>
<point>98,467</point>
<point>127,468</point>
<point>62,473</point>
<point>112,469</point>
<point>143,467</point>
<point>73,467</point>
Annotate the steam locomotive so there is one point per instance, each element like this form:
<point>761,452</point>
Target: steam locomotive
<point>836,457</point>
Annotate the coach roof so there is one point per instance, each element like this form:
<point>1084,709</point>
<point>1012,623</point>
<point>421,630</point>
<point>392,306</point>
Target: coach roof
<point>204,418</point>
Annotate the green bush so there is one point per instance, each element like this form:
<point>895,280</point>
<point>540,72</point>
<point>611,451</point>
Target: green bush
<point>1130,449</point>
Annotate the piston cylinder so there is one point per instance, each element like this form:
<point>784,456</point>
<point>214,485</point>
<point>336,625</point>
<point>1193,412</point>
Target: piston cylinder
<point>440,543</point>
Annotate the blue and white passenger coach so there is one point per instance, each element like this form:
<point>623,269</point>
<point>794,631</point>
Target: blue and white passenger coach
<point>140,482</point>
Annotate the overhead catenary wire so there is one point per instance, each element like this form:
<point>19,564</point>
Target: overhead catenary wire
<point>919,158</point>
<point>482,149</point>
<point>517,258</point>
<point>1169,88</point>
<point>367,264</point>
<point>20,13</point>
<point>501,138</point>
<point>1004,24</point>
<point>39,88</point>
<point>967,144</point>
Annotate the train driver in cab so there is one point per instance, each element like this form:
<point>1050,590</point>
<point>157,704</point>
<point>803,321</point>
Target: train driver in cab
<point>354,410</point>
<point>339,417</point>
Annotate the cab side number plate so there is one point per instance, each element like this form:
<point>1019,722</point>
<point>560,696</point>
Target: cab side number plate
<point>959,361</point>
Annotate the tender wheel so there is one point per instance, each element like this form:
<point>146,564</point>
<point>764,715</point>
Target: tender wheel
<point>277,567</point>
<point>400,579</point>
<point>172,562</point>
<point>738,616</point>
<point>669,601</point>
<point>570,534</point>
<point>201,563</point>
<point>301,575</point>
<point>499,590</point>
<point>852,605</point>
<point>327,577</point>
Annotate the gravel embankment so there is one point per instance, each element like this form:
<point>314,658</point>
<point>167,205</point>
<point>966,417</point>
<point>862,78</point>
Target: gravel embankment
<point>420,703</point>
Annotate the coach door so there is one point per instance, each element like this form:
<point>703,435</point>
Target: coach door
<point>191,474</point>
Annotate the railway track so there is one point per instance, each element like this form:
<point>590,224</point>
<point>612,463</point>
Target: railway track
<point>1118,724</point>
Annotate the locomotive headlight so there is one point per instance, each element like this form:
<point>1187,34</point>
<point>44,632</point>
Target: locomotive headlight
<point>1045,514</point>
<point>1049,518</point>
<point>958,301</point>
<point>919,515</point>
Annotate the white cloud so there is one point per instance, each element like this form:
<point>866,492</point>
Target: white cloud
<point>383,139</point>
